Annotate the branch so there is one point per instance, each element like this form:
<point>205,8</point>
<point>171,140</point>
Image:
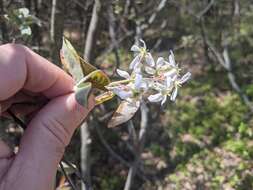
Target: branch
<point>224,60</point>
<point>85,154</point>
<point>92,29</point>
<point>112,34</point>
<point>110,150</point>
<point>154,14</point>
<point>77,173</point>
<point>52,21</point>
<point>206,9</point>
<point>67,177</point>
<point>117,156</point>
<point>140,146</point>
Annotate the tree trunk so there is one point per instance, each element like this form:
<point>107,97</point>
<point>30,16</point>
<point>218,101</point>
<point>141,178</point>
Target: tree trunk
<point>56,30</point>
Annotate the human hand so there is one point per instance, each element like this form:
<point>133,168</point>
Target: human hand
<point>25,76</point>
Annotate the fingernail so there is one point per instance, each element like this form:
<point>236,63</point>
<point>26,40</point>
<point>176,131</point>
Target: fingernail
<point>82,93</point>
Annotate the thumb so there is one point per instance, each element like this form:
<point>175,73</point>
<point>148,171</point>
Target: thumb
<point>45,139</point>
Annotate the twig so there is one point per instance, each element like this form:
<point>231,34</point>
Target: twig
<point>206,9</point>
<point>112,34</point>
<point>117,156</point>
<point>67,177</point>
<point>110,150</point>
<point>52,21</point>
<point>78,174</point>
<point>85,153</point>
<point>224,60</point>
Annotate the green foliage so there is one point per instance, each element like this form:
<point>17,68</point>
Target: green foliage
<point>209,118</point>
<point>112,182</point>
<point>249,90</point>
<point>240,147</point>
<point>215,169</point>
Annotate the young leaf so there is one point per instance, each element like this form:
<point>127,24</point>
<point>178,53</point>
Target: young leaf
<point>70,60</point>
<point>124,112</point>
<point>98,79</point>
<point>82,92</point>
<point>78,67</point>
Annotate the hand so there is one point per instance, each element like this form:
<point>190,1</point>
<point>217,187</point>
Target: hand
<point>25,76</point>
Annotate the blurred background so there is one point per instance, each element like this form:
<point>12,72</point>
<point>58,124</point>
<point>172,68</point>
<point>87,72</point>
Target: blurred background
<point>203,140</point>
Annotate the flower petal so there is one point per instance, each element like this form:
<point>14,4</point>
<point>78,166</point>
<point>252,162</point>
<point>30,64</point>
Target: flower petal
<point>150,70</point>
<point>159,62</point>
<point>135,48</point>
<point>149,60</point>
<point>123,94</point>
<point>171,73</point>
<point>158,86</point>
<point>123,74</point>
<point>136,61</point>
<point>164,100</point>
<point>174,94</point>
<point>168,82</point>
<point>138,81</point>
<point>185,78</point>
<point>155,98</point>
<point>144,44</point>
<point>172,58</point>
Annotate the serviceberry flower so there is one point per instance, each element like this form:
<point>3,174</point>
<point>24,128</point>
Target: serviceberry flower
<point>141,53</point>
<point>151,80</point>
<point>178,83</point>
<point>134,87</point>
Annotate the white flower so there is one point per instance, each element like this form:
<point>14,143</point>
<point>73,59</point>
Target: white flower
<point>177,84</point>
<point>172,61</point>
<point>141,52</point>
<point>163,91</point>
<point>135,87</point>
<point>123,91</point>
<point>157,98</point>
<point>157,66</point>
<point>161,78</point>
<point>164,68</point>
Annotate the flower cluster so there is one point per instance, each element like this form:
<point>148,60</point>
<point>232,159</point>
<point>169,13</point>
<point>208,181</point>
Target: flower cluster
<point>149,79</point>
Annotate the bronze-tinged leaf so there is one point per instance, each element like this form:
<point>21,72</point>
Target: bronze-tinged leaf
<point>79,68</point>
<point>86,67</point>
<point>124,112</point>
<point>104,97</point>
<point>98,79</point>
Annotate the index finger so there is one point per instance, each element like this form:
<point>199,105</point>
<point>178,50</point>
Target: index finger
<point>21,68</point>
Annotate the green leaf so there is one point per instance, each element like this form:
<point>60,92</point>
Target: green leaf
<point>124,112</point>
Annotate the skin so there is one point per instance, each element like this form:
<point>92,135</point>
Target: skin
<point>25,76</point>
